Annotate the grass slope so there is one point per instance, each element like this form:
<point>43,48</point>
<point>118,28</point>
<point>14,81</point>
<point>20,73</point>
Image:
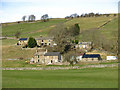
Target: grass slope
<point>110,30</point>
<point>84,78</point>
<point>30,29</point>
<point>14,52</point>
<point>88,22</point>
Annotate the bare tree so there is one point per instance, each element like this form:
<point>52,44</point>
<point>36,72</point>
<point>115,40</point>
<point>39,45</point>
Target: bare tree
<point>23,18</point>
<point>70,57</point>
<point>31,18</point>
<point>75,15</point>
<point>45,18</point>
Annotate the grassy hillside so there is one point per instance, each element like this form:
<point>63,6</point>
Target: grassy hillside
<point>110,30</point>
<point>84,78</point>
<point>31,28</point>
<point>105,35</point>
<point>88,22</point>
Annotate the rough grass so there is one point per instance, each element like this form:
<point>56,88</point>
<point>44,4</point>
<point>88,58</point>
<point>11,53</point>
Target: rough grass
<point>13,52</point>
<point>25,28</point>
<point>110,30</point>
<point>16,63</point>
<point>9,42</point>
<point>88,22</point>
<point>84,78</point>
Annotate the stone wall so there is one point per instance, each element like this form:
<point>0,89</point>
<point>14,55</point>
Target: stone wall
<point>60,68</point>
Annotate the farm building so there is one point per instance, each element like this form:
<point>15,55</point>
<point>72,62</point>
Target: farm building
<point>111,57</point>
<point>45,41</point>
<point>22,41</point>
<point>42,41</point>
<point>82,45</point>
<point>46,57</point>
<point>91,57</point>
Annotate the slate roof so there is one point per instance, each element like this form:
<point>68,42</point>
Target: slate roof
<point>52,54</point>
<point>91,56</point>
<point>84,43</point>
<point>44,38</point>
<point>22,39</point>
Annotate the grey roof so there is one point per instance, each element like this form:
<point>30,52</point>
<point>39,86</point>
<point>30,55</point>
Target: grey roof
<point>84,43</point>
<point>52,54</point>
<point>44,38</point>
<point>22,39</point>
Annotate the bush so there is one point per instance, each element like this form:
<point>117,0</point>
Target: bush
<point>32,43</point>
<point>76,41</point>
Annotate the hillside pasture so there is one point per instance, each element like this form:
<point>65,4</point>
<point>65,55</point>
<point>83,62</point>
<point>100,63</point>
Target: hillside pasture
<point>28,28</point>
<point>88,22</point>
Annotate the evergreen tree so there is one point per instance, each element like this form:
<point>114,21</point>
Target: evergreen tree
<point>77,29</point>
<point>32,42</point>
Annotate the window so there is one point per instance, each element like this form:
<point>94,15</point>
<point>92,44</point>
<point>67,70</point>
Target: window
<point>48,40</point>
<point>38,56</point>
<point>49,43</point>
<point>42,40</point>
<point>38,60</point>
<point>51,61</point>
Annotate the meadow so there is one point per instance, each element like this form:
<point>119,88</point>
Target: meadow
<point>82,78</point>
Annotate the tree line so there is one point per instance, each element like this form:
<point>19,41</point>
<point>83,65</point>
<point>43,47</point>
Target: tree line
<point>75,15</point>
<point>32,18</point>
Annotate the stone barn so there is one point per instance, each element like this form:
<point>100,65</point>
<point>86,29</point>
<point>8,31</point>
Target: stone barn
<point>91,57</point>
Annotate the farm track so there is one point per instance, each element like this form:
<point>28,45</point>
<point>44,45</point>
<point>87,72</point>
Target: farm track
<point>62,68</point>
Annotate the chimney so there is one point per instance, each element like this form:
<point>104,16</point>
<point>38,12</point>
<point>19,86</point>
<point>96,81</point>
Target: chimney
<point>36,50</point>
<point>46,51</point>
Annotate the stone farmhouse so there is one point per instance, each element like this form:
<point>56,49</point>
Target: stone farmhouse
<point>47,58</point>
<point>82,45</point>
<point>45,41</point>
<point>42,41</point>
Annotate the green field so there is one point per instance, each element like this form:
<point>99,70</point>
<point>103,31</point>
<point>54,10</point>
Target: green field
<point>84,78</point>
<point>88,22</point>
<point>31,29</point>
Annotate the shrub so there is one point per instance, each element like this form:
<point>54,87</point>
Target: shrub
<point>76,41</point>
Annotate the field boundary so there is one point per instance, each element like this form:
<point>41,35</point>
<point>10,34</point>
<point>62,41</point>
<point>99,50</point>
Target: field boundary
<point>62,68</point>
